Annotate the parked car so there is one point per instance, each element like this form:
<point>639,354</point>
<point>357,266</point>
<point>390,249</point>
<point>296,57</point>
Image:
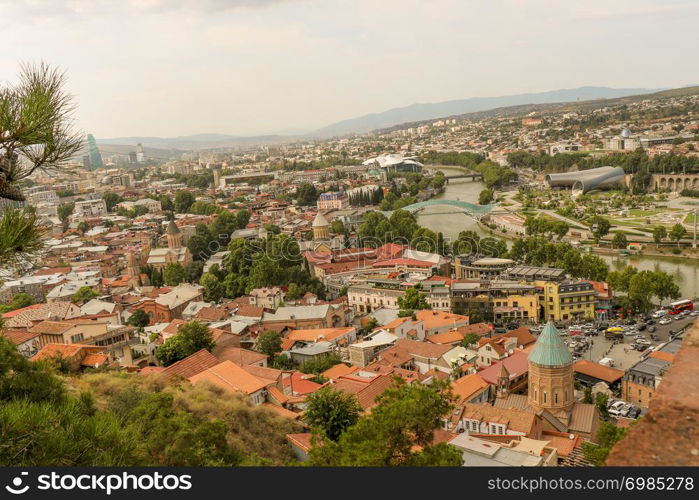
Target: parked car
<point>694,314</point>
<point>641,327</point>
<point>626,409</point>
<point>654,337</point>
<point>650,322</point>
<point>615,409</point>
<point>634,412</point>
<point>665,321</point>
<point>651,329</point>
<point>642,337</point>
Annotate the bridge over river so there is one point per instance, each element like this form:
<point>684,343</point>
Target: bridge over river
<point>470,209</point>
<point>474,176</point>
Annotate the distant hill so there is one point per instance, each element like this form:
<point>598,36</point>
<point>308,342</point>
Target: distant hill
<point>427,111</point>
<point>582,98</point>
<point>198,141</point>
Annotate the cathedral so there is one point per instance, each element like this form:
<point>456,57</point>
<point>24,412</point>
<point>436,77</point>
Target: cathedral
<point>551,390</point>
<point>175,251</point>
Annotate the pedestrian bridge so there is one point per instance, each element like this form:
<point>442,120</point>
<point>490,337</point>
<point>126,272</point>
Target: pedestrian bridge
<point>471,209</point>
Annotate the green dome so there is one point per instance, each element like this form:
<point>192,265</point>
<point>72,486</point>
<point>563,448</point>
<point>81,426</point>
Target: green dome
<point>550,350</point>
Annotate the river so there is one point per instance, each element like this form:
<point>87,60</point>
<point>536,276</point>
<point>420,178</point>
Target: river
<point>442,218</point>
<point>685,271</point>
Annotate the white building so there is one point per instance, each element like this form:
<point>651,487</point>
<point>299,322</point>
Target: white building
<point>90,208</point>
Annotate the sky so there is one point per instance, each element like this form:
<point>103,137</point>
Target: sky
<point>246,67</point>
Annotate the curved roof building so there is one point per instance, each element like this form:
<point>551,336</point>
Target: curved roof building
<point>395,162</point>
<point>584,181</point>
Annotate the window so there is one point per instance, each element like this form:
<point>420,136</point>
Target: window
<point>76,338</point>
<point>555,397</point>
<point>544,395</point>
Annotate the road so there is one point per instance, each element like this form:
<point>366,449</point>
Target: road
<point>624,357</point>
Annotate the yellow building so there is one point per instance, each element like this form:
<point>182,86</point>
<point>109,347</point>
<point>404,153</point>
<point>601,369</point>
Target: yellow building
<point>567,300</point>
<point>516,307</point>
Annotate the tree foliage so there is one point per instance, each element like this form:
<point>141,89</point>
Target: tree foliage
<point>36,131</point>
<point>190,338</point>
<point>84,294</point>
<point>173,273</point>
<point>331,411</point>
<point>269,343</point>
<point>398,431</point>
<point>413,300</point>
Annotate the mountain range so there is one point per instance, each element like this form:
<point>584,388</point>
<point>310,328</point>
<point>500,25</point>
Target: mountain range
<point>390,118</point>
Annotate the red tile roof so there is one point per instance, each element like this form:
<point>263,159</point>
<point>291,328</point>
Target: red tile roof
<point>191,365</point>
<point>366,392</point>
<point>300,385</point>
<point>517,364</point>
<point>240,356</point>
<point>595,370</point>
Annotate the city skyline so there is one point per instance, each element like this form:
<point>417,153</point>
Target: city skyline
<point>253,67</point>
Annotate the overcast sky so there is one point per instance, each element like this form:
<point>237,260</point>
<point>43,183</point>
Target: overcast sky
<point>179,67</point>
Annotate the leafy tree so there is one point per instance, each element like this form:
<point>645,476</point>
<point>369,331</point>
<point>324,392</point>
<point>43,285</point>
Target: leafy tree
<point>485,197</point>
<point>306,194</point>
<point>337,227</point>
<point>608,435</point>
<point>492,247</point>
<point>664,286</point>
<point>467,242</point>
<point>659,234</point>
<point>173,273</point>
<point>413,300</point>
<point>269,343</point>
<point>282,362</point>
<point>677,232</point>
<point>139,318</point>
<point>84,294</point>
<point>190,338</point>
<point>202,208</point>
<point>213,288</point>
<point>18,302</point>
<point>600,227</point>
<point>64,211</point>
<point>619,240</point>
<point>398,431</point>
<point>319,364</point>
<point>601,400</point>
<point>331,411</point>
<point>469,339</point>
<point>111,200</point>
<point>83,227</point>
<point>183,201</point>
<point>21,379</point>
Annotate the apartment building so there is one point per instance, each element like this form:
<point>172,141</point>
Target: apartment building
<point>567,300</point>
<point>90,208</point>
<point>333,201</point>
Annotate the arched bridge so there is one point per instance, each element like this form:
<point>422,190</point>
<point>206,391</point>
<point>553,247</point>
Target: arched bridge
<point>471,175</point>
<point>476,211</point>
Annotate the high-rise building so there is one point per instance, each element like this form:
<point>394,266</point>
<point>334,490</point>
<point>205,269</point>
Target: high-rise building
<point>95,156</point>
<point>140,154</point>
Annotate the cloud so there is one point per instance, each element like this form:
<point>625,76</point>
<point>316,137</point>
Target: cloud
<point>50,9</point>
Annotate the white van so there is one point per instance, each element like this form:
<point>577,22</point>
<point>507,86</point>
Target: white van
<point>606,362</point>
